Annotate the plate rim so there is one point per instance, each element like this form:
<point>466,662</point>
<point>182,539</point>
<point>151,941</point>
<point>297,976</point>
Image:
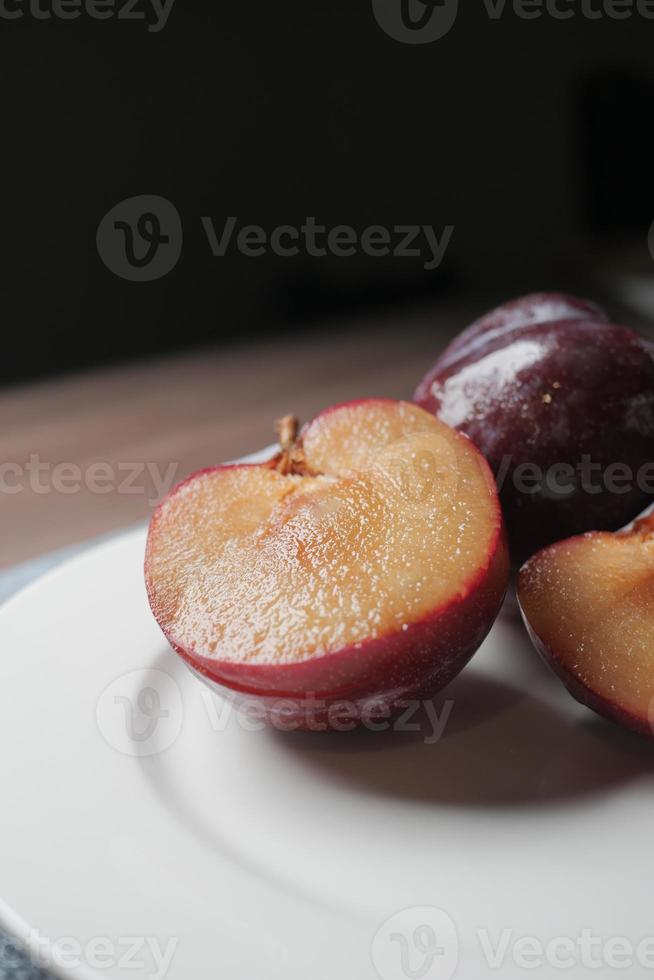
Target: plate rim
<point>12,923</point>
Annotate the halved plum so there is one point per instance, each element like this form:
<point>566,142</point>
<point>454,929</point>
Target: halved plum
<point>363,564</point>
<point>588,604</point>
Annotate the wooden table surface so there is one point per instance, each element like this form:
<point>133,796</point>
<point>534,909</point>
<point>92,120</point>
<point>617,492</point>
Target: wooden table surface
<point>152,423</point>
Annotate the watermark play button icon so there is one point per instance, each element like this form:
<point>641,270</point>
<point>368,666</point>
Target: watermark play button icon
<point>415,21</point>
<point>141,238</point>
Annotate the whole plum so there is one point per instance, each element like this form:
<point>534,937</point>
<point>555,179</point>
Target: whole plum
<point>561,402</point>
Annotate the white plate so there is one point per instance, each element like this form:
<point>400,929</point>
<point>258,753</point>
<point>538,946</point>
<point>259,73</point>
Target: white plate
<point>265,855</point>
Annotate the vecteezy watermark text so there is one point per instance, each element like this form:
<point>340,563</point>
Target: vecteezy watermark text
<point>566,9</point>
<point>142,713</point>
<point>42,478</point>
<point>316,240</point>
<point>586,950</point>
<point>147,954</point>
<point>153,12</point>
<point>422,941</point>
<point>424,21</point>
<point>140,239</point>
<point>316,715</point>
<point>560,480</point>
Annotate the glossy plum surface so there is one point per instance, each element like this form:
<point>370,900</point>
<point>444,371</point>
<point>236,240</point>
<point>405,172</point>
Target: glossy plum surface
<point>563,409</point>
<point>357,569</point>
<point>587,605</point>
<point>518,314</point>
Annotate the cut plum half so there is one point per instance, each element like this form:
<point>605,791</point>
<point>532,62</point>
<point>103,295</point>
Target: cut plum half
<point>364,563</point>
<point>588,604</point>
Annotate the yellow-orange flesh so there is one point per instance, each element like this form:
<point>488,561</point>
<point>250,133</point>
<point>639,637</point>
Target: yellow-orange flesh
<point>591,601</point>
<point>246,564</point>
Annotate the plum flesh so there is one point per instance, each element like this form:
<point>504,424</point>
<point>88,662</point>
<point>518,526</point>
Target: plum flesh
<point>363,564</point>
<point>588,604</point>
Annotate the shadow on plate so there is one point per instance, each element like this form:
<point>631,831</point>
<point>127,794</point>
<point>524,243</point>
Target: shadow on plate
<point>500,747</point>
<point>482,742</point>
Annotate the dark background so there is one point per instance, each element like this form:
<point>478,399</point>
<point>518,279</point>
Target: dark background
<point>531,137</point>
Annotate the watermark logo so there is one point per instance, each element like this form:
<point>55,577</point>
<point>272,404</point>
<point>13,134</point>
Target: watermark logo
<point>141,712</point>
<point>415,21</point>
<point>140,239</point>
<point>423,21</point>
<point>419,943</point>
<point>418,472</point>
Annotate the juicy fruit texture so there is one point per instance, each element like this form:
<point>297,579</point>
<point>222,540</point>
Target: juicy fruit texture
<point>555,396</point>
<point>589,607</point>
<point>341,574</point>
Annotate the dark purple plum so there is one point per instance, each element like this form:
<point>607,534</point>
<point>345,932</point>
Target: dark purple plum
<point>561,403</point>
<point>519,313</point>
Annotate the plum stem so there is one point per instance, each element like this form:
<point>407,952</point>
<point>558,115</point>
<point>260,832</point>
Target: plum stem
<point>287,429</point>
<point>291,461</point>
